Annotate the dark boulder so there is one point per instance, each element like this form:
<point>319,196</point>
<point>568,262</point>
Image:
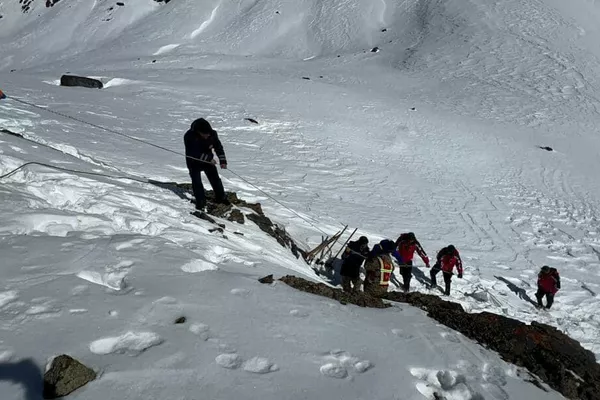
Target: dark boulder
<point>65,376</point>
<point>73,80</point>
<point>267,279</point>
<point>236,216</point>
<point>180,320</point>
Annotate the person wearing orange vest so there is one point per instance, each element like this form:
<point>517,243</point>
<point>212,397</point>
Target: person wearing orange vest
<point>379,267</point>
<point>447,259</point>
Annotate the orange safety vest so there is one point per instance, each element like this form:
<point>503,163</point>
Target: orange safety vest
<point>386,272</point>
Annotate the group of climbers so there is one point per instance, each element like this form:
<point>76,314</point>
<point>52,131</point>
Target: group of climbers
<point>202,144</point>
<point>379,267</point>
<point>379,264</point>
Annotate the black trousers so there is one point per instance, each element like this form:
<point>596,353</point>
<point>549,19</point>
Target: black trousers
<point>406,272</point>
<point>215,182</point>
<point>549,298</point>
<point>447,279</point>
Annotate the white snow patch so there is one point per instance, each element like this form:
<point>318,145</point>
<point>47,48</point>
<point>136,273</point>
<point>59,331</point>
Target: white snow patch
<point>6,355</point>
<point>333,370</point>
<point>118,82</point>
<point>131,343</point>
<point>260,365</point>
<point>8,297</point>
<point>205,24</point>
<point>200,330</point>
<point>111,280</point>
<point>166,49</point>
<point>199,266</point>
<point>229,361</point>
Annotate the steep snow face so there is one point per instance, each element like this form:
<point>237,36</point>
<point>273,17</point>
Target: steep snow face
<point>299,29</point>
<point>438,133</point>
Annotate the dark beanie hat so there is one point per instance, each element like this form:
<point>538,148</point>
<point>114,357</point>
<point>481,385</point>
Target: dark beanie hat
<point>201,126</point>
<point>363,240</point>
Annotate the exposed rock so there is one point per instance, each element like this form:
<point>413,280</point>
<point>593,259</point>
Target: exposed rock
<point>204,217</point>
<point>551,355</point>
<point>180,320</point>
<point>73,80</point>
<point>375,49</point>
<point>236,216</point>
<point>384,30</point>
<point>120,4</point>
<point>547,148</point>
<point>252,120</point>
<point>65,376</point>
<point>306,78</point>
<point>267,279</point>
<point>184,190</point>
<point>357,298</point>
<point>217,209</point>
<point>9,132</point>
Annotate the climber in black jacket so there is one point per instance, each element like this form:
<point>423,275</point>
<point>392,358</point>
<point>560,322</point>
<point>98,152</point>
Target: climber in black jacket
<point>200,142</point>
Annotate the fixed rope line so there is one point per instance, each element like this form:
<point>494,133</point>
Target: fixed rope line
<point>75,171</point>
<point>165,149</point>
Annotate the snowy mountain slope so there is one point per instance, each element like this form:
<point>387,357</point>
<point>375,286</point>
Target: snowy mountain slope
<point>490,81</point>
<point>79,259</point>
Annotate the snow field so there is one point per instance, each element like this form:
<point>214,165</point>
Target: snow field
<point>436,133</point>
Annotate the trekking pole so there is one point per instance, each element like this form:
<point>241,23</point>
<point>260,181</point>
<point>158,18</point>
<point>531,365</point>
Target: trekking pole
<point>344,245</point>
<point>336,240</point>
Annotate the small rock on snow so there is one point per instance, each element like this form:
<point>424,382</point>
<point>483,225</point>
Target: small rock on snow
<point>180,320</point>
<point>266,279</point>
<point>64,376</point>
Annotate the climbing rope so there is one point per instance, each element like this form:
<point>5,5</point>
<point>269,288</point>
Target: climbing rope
<point>75,171</point>
<point>103,128</point>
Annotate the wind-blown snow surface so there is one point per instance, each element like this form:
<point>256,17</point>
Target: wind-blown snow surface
<point>100,268</point>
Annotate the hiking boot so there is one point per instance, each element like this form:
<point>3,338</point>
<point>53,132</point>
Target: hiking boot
<point>225,202</point>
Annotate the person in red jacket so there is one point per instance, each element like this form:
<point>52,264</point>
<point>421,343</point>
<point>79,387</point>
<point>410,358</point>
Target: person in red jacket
<point>406,245</point>
<point>447,259</point>
<point>548,285</point>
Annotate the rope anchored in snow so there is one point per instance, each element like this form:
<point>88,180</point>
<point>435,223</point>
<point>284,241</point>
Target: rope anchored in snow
<point>148,143</point>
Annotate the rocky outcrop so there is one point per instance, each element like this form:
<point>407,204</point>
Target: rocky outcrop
<point>555,358</point>
<point>320,289</point>
<point>267,279</point>
<point>73,80</point>
<point>184,191</point>
<point>65,376</point>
